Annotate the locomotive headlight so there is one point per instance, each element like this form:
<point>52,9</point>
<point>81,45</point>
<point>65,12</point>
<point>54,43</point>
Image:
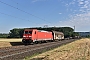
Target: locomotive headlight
<point>29,36</point>
<point>24,36</point>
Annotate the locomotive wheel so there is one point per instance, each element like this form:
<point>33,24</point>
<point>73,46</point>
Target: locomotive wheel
<point>36,42</point>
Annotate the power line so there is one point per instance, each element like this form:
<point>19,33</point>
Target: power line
<point>21,5</point>
<point>14,1</point>
<point>23,11</point>
<point>17,17</point>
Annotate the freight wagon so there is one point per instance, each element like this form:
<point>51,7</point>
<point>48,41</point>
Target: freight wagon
<point>57,35</point>
<point>34,35</point>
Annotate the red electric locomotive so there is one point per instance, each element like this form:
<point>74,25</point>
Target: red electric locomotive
<point>34,35</point>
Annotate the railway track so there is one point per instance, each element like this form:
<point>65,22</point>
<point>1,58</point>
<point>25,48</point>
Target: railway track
<point>20,52</point>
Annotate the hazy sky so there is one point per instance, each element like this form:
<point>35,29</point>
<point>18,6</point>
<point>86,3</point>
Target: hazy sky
<point>37,13</point>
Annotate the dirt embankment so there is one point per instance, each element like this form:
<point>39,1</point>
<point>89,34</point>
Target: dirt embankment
<point>78,50</point>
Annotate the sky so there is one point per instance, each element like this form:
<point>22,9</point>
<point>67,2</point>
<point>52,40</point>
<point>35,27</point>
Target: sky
<point>37,13</point>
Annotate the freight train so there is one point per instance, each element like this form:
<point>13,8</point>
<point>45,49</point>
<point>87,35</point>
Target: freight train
<point>34,36</point>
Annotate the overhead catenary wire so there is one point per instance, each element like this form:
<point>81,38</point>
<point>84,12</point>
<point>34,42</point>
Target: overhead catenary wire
<point>17,17</point>
<point>14,1</point>
<point>18,4</point>
<point>24,11</point>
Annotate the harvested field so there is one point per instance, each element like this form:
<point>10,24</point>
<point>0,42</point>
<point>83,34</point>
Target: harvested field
<point>9,42</point>
<point>78,50</point>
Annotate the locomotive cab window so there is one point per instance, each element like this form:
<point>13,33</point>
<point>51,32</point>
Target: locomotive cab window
<point>26,32</point>
<point>35,32</point>
<point>30,32</point>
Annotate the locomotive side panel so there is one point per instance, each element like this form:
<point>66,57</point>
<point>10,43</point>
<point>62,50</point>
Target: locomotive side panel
<point>44,35</point>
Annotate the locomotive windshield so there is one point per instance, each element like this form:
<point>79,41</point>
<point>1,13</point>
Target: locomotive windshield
<point>28,32</point>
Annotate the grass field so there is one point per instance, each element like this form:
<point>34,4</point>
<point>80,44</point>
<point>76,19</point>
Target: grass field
<point>9,42</point>
<point>78,50</point>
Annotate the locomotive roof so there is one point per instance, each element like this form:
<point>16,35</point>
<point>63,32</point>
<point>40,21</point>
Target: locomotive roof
<point>30,29</point>
<point>43,31</point>
<point>38,30</point>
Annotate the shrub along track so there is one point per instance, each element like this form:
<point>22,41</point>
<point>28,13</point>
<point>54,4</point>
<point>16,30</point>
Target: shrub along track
<point>20,52</point>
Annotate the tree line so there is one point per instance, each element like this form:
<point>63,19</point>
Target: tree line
<point>3,35</point>
<point>18,33</point>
